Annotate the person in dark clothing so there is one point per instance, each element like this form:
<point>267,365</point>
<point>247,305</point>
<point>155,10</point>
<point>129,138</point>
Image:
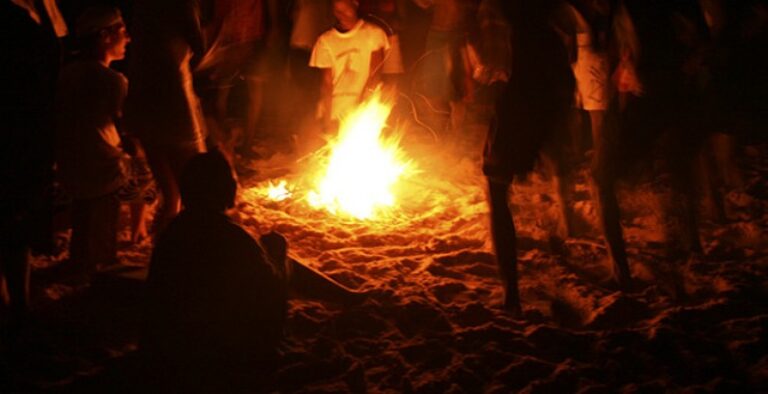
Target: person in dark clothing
<point>28,69</point>
<point>161,108</point>
<point>660,103</point>
<point>89,153</point>
<point>534,104</point>
<point>736,90</point>
<point>215,302</point>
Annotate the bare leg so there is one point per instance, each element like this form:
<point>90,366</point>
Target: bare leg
<point>610,216</point>
<point>256,98</point>
<point>604,195</point>
<point>686,199</point>
<point>458,113</point>
<point>138,221</point>
<point>505,243</point>
<point>560,183</point>
<point>710,195</point>
<point>575,131</point>
<point>166,183</point>
<point>596,118</point>
<point>723,149</point>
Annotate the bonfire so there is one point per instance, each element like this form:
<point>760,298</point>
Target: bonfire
<point>359,172</point>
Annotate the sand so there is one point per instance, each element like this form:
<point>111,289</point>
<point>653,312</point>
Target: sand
<point>433,321</point>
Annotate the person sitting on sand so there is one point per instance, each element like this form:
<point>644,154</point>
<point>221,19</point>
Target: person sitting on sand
<point>214,301</point>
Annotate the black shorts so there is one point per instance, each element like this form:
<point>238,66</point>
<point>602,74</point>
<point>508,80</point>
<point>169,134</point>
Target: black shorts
<point>519,132</point>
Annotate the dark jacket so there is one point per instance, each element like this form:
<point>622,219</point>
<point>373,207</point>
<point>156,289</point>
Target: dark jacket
<point>213,300</point>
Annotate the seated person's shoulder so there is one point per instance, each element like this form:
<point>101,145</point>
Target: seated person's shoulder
<point>248,243</point>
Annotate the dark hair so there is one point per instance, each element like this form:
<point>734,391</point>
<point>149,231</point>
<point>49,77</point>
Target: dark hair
<point>207,182</point>
<point>92,25</point>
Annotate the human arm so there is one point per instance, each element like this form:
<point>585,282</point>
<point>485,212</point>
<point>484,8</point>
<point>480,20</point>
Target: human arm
<point>323,59</point>
<point>374,75</point>
<point>379,45</point>
<point>192,31</point>
<point>326,96</point>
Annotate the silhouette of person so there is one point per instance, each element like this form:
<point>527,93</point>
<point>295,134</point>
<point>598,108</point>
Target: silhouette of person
<point>89,152</point>
<point>29,65</point>
<point>532,106</point>
<point>215,304</point>
<point>161,108</point>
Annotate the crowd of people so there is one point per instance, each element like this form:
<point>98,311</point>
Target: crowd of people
<point>654,78</point>
<point>207,75</point>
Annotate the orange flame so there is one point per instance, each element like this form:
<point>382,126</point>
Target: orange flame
<point>356,174</point>
<point>364,167</point>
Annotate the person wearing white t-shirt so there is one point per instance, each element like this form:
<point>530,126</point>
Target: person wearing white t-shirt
<point>350,55</point>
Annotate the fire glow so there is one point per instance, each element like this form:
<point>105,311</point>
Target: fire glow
<point>359,175</point>
<point>278,192</point>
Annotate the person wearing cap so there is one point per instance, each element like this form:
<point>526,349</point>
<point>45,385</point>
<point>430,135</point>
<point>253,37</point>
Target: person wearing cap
<point>89,99</point>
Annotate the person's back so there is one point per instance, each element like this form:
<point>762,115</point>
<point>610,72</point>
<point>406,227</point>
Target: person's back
<point>214,305</point>
<point>212,291</point>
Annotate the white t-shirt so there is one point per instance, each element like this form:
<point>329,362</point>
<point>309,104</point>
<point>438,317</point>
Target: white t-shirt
<point>348,55</point>
<point>591,73</point>
<point>591,68</point>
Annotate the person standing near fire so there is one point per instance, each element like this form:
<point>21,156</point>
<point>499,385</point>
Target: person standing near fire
<point>531,108</point>
<point>162,109</point>
<point>31,54</point>
<point>387,15</point>
<point>446,80</point>
<point>90,157</point>
<point>350,56</point>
